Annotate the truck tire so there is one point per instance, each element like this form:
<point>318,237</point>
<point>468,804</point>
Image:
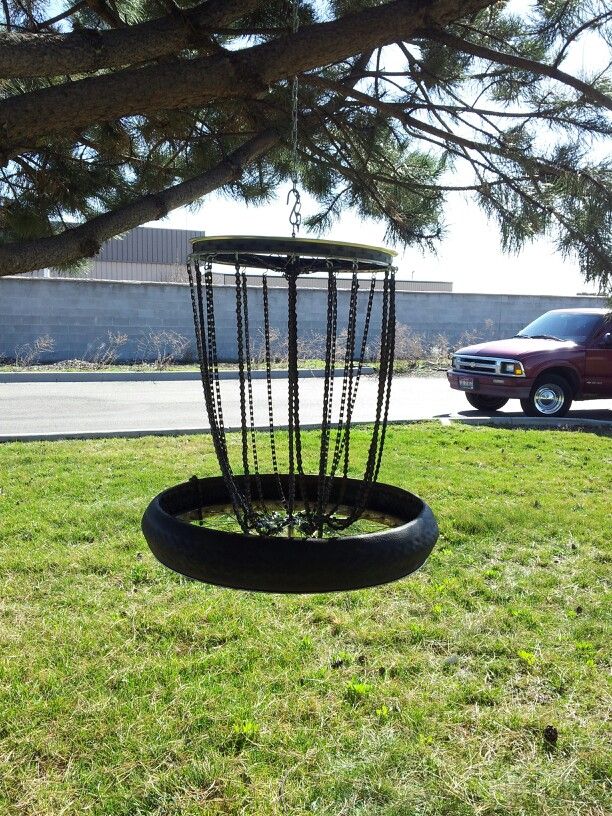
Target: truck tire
<point>483,403</point>
<point>551,396</point>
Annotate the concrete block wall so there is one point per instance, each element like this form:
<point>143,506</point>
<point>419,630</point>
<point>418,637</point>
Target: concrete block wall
<point>79,314</point>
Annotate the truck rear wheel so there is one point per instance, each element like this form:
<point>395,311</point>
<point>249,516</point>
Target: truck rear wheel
<point>551,396</point>
<point>483,403</point>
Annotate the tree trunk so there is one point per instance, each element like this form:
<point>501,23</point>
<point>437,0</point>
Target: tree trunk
<point>80,52</point>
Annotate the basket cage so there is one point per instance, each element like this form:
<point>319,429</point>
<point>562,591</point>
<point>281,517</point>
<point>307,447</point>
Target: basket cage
<point>269,326</point>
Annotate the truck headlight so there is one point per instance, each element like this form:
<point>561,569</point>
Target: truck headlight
<point>514,368</point>
<point>453,362</point>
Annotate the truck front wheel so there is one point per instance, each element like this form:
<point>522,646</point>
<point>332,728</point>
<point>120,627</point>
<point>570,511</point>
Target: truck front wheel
<point>551,396</point>
<point>483,403</point>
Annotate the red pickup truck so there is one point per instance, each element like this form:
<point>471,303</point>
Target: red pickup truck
<point>564,355</point>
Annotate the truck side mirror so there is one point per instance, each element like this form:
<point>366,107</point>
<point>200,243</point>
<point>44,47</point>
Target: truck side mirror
<point>606,340</point>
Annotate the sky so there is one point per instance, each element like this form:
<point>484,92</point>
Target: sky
<point>469,255</point>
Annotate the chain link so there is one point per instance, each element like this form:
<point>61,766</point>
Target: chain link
<point>268,355</point>
<point>328,398</point>
<point>295,216</point>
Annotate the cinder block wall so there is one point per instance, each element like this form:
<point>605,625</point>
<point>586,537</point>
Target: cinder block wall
<point>80,314</point>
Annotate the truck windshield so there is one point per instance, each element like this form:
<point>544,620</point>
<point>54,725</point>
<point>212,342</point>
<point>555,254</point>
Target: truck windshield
<point>562,326</point>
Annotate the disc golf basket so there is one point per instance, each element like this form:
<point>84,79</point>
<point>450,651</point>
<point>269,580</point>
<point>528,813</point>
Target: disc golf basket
<point>293,527</point>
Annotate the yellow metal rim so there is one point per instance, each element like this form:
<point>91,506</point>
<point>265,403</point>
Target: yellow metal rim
<point>390,252</point>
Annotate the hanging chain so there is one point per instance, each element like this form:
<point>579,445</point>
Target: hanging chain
<point>207,353</point>
<point>342,440</point>
<point>295,216</point>
<point>328,396</point>
<point>292,384</point>
<point>251,401</point>
<point>268,355</point>
<point>297,509</point>
<point>242,389</point>
<point>385,377</point>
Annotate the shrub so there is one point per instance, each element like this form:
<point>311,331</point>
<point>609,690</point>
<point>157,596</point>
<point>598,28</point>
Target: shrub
<point>162,348</point>
<point>30,353</point>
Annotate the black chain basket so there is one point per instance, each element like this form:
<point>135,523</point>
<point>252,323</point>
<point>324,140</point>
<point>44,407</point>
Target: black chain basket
<point>291,519</point>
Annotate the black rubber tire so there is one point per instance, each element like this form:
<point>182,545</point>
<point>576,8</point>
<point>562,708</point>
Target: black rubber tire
<point>481,402</point>
<point>275,564</point>
<point>530,406</point>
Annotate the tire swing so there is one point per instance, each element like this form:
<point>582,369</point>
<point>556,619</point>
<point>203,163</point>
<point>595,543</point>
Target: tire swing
<point>289,525</point>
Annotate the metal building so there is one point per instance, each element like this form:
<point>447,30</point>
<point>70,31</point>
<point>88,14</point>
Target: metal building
<point>145,254</point>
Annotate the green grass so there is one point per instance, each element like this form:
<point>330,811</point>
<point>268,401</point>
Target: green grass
<point>417,368</point>
<point>126,689</point>
<point>222,517</point>
<point>56,368</point>
<point>83,366</point>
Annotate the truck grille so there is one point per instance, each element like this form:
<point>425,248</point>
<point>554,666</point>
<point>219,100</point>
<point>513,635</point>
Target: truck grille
<point>477,365</point>
<point>500,366</point>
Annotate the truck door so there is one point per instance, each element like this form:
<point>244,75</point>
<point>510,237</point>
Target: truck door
<point>598,368</point>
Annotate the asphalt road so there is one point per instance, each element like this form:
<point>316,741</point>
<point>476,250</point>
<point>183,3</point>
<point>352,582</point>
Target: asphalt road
<point>69,408</point>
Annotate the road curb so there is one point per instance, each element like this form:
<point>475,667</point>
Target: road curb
<point>525,423</point>
<point>152,376</point>
<point>531,423</point>
<point>138,432</point>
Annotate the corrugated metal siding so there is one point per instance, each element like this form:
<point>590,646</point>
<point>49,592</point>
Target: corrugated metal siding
<point>149,245</point>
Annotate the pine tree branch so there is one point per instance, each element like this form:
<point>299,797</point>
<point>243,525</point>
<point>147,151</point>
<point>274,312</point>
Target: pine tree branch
<point>595,249</point>
<point>594,22</point>
<point>86,239</point>
<point>444,137</point>
<point>59,17</point>
<point>106,13</point>
<point>316,154</point>
<point>177,84</point>
<point>81,52</point>
<point>7,15</point>
<point>513,61</point>
<point>397,111</point>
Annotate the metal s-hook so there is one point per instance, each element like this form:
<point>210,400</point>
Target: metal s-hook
<point>295,216</point>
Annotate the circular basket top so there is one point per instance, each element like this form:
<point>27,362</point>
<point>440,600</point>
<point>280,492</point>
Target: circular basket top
<point>297,255</point>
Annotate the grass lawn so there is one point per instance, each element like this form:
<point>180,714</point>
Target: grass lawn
<point>126,689</point>
<point>423,368</point>
<point>83,366</point>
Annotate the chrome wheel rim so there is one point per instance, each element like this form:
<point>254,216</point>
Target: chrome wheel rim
<point>549,398</point>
